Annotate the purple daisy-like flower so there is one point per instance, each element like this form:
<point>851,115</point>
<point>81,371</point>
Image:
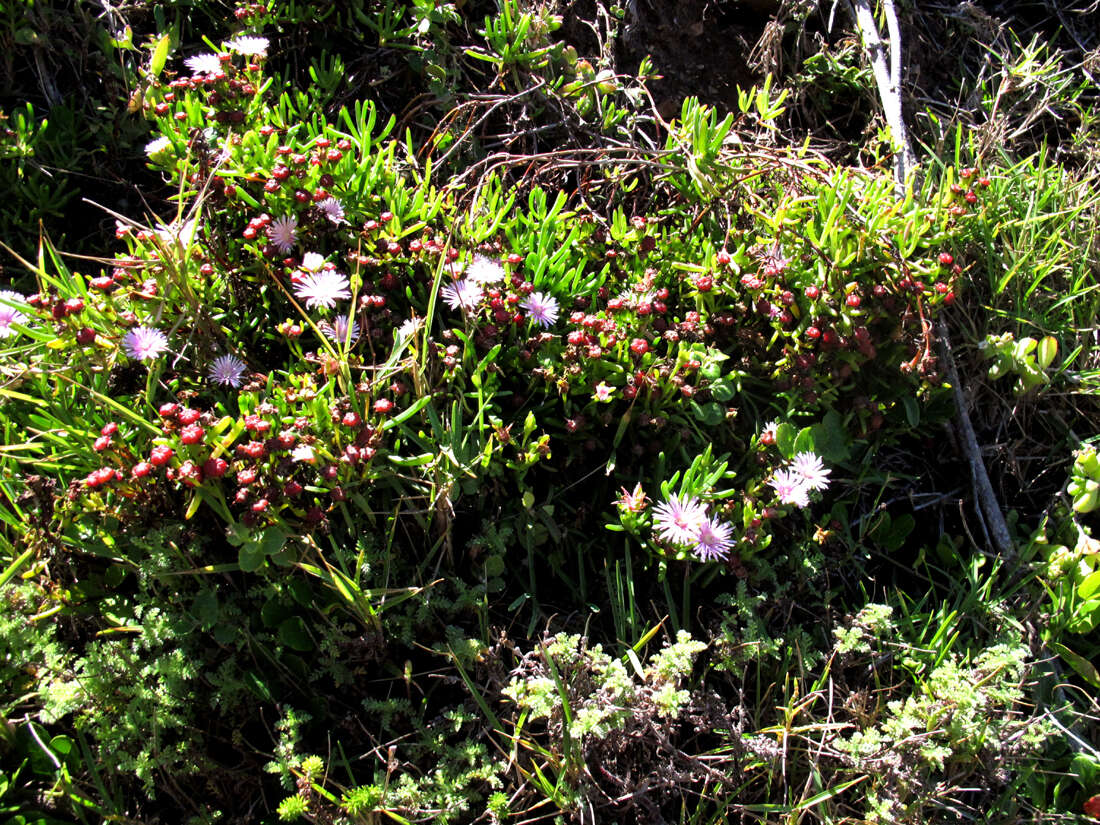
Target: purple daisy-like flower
<point>322,289</point>
<point>461,294</point>
<point>542,308</point>
<point>678,519</point>
<point>249,45</point>
<point>790,488</point>
<point>712,540</point>
<point>10,315</point>
<point>332,209</point>
<point>484,271</point>
<point>144,343</point>
<point>337,331</point>
<point>809,468</point>
<point>283,233</point>
<point>228,370</point>
<point>205,63</point>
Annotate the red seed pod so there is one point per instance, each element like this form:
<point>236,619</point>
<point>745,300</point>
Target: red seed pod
<point>383,406</point>
<point>351,419</point>
<point>192,434</point>
<point>188,415</point>
<point>160,455</point>
<point>141,469</point>
<point>102,443</point>
<point>639,346</point>
<point>723,257</point>
<point>971,197</point>
<point>85,335</point>
<point>292,488</point>
<point>247,476</point>
<point>102,282</point>
<point>515,258</point>
<point>813,333</point>
<point>813,292</point>
<point>946,258</point>
<point>852,300</point>
<point>259,505</point>
<point>704,283</point>
<point>215,467</point>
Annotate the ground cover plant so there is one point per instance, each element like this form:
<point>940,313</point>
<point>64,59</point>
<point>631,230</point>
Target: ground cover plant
<point>470,412</point>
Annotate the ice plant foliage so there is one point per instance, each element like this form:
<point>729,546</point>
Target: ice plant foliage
<point>145,343</point>
<point>228,370</point>
<point>322,289</point>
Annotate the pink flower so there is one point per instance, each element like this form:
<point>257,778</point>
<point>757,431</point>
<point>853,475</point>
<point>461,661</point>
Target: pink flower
<point>542,308</point>
<point>712,540</point>
<point>228,370</point>
<point>9,314</point>
<point>337,331</point>
<point>809,468</point>
<point>144,343</point>
<point>332,209</point>
<point>678,519</point>
<point>603,391</point>
<point>283,233</point>
<point>790,488</point>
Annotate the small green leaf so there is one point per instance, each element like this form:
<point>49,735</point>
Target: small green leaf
<point>293,633</point>
<point>1089,586</point>
<point>784,439</point>
<point>711,414</point>
<point>160,55</point>
<point>912,410</point>
<point>251,556</point>
<point>1085,669</point>
<point>1048,348</point>
<point>205,608</point>
<point>804,443</point>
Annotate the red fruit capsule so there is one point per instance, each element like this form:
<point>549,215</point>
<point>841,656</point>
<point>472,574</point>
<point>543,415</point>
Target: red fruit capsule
<point>102,443</point>
<point>813,333</point>
<point>192,434</point>
<point>351,419</point>
<point>946,258</point>
<point>168,410</point>
<point>141,469</point>
<point>85,335</point>
<point>852,300</point>
<point>188,416</point>
<point>160,455</point>
<point>215,467</point>
<point>383,406</point>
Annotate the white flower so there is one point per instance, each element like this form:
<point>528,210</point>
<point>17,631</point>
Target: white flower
<point>603,392</point>
<point>204,63</point>
<point>157,145</point>
<point>304,453</point>
<point>323,289</point>
<point>713,540</point>
<point>464,294</point>
<point>312,262</point>
<point>409,327</point>
<point>484,271</point>
<point>249,45</point>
